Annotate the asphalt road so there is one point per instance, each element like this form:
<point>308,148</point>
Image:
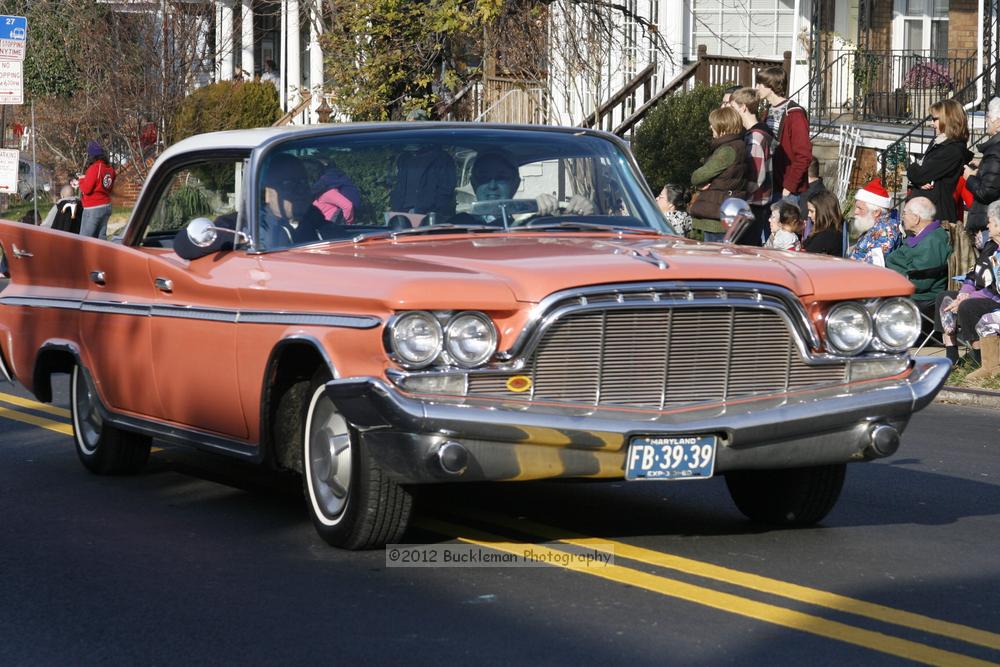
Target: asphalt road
<point>203,561</point>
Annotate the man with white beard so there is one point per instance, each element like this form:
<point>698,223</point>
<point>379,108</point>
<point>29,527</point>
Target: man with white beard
<point>879,235</point>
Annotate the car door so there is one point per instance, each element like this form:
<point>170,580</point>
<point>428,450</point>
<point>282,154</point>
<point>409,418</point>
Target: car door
<point>115,326</point>
<point>196,303</point>
<point>86,294</point>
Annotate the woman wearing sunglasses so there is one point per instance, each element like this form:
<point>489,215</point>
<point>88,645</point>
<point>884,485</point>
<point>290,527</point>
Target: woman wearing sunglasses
<point>936,174</point>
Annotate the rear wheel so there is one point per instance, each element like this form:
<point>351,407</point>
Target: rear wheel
<point>102,448</point>
<point>787,497</point>
<point>353,504</point>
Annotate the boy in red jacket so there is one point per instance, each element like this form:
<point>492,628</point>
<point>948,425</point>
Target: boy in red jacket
<point>789,124</point>
<point>95,191</point>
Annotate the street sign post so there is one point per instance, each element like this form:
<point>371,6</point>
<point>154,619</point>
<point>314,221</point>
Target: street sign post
<point>13,37</point>
<point>8,170</point>
<point>11,82</point>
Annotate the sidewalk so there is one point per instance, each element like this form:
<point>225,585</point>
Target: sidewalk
<point>978,398</point>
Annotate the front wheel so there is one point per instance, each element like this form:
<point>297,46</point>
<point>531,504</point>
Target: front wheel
<point>787,497</point>
<point>353,504</point>
<point>102,448</point>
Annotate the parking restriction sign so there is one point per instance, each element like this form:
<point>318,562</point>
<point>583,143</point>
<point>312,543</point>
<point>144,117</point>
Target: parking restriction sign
<point>11,82</point>
<point>8,170</point>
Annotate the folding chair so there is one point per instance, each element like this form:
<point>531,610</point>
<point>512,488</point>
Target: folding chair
<point>926,308</point>
<point>927,325</point>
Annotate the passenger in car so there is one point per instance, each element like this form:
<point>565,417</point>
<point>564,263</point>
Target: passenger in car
<point>288,216</point>
<point>336,194</point>
<point>495,176</point>
<point>425,182</point>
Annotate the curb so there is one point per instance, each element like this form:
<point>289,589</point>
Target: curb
<point>977,398</point>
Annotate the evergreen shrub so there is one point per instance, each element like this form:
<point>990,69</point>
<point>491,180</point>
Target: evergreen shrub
<point>226,105</point>
<point>674,138</point>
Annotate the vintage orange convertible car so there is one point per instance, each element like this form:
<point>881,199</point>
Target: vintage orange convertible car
<point>380,306</point>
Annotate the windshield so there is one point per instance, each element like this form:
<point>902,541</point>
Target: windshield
<point>426,180</point>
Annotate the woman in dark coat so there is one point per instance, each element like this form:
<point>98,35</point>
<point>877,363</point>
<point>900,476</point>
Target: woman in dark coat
<point>936,174</point>
<point>723,175</point>
<point>984,182</point>
<point>827,236</point>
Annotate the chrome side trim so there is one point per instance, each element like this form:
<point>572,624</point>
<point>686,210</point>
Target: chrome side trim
<point>179,435</point>
<point>194,313</point>
<point>40,302</point>
<point>115,308</point>
<point>199,313</point>
<point>183,436</point>
<point>315,319</point>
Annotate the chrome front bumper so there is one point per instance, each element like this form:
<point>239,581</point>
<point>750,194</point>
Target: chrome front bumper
<point>511,441</point>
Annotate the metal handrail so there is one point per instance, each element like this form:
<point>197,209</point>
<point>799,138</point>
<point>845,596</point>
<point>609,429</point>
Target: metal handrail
<point>818,75</point>
<point>633,85</point>
<point>675,84</point>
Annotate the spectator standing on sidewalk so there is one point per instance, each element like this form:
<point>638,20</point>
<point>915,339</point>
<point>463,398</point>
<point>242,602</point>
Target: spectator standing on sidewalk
<point>722,176</point>
<point>983,181</point>
<point>789,124</point>
<point>727,95</point>
<point>95,188</point>
<point>936,174</point>
<point>815,185</point>
<point>760,143</point>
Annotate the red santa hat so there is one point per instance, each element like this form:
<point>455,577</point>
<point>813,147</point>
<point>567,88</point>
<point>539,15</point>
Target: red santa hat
<point>875,194</point>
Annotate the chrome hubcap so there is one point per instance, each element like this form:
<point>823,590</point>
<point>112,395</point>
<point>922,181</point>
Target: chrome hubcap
<point>329,458</point>
<point>88,417</point>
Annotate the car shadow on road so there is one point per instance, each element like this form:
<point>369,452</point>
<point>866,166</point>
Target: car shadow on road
<point>875,494</point>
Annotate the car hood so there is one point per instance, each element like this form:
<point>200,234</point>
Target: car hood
<point>532,266</point>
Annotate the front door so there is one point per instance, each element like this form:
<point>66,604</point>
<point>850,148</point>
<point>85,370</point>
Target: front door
<point>194,316</point>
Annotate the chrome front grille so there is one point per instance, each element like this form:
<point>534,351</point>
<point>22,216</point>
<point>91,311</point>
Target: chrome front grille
<point>660,357</point>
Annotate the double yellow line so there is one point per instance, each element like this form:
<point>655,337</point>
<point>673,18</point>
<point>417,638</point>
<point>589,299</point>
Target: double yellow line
<point>664,585</point>
<point>734,604</point>
<point>64,427</point>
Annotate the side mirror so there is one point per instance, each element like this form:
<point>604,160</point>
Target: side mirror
<point>737,216</point>
<point>201,232</point>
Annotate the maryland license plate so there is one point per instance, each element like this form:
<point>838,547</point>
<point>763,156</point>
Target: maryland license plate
<point>670,457</point>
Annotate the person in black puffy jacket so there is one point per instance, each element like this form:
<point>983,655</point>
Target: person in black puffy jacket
<point>935,175</point>
<point>984,182</point>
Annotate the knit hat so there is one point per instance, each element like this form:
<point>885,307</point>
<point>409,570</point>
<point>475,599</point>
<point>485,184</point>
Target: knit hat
<point>875,194</point>
<point>94,149</point>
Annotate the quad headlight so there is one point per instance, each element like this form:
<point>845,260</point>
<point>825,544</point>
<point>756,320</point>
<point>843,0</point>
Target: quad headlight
<point>890,325</point>
<point>897,324</point>
<point>416,339</point>
<point>470,339</point>
<point>848,328</point>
